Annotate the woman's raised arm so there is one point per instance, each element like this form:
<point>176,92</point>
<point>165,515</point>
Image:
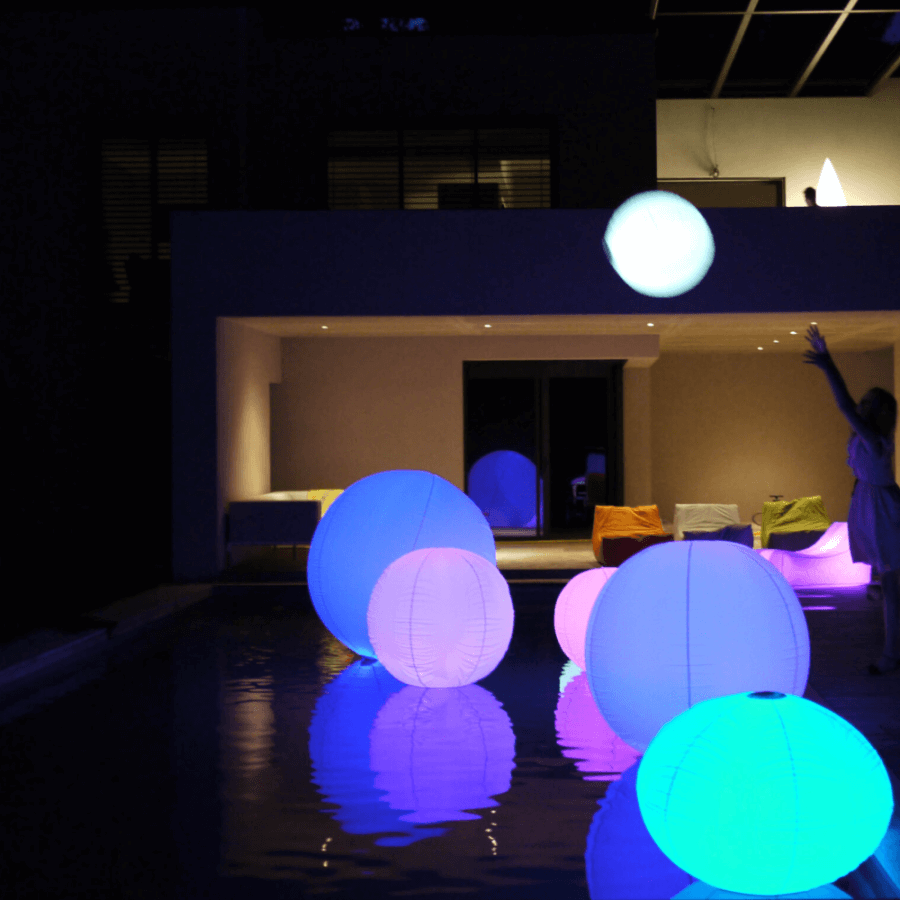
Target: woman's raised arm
<point>819,357</point>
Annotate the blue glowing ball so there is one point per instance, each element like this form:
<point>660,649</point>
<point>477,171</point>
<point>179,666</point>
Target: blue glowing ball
<point>374,522</point>
<point>659,243</point>
<point>686,621</point>
<point>764,793</point>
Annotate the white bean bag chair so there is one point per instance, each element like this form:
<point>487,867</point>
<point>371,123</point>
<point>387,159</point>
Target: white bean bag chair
<point>703,517</point>
<point>826,564</point>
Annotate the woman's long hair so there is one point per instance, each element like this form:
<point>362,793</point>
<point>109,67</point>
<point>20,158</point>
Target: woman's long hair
<point>879,409</point>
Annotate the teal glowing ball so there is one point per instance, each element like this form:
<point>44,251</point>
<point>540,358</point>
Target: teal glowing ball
<point>764,793</point>
<point>659,244</point>
<point>373,523</point>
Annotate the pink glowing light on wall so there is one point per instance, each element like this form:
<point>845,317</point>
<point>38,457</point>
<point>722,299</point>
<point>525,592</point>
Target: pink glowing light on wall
<point>826,564</point>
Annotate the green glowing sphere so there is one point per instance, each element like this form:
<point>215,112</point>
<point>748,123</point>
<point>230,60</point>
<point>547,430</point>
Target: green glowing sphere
<point>764,793</point>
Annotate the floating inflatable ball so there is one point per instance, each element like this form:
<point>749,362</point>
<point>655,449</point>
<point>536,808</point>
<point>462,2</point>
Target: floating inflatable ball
<point>764,793</point>
<point>659,244</point>
<point>440,618</point>
<point>686,621</point>
<point>374,522</point>
<point>573,609</point>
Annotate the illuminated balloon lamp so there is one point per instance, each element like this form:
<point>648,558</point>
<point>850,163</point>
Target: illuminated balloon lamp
<point>339,751</point>
<point>584,735</point>
<point>764,793</point>
<point>438,754</point>
<point>440,618</point>
<point>622,861</point>
<point>502,485</point>
<point>374,522</point>
<point>686,621</point>
<point>659,244</point>
<point>573,609</point>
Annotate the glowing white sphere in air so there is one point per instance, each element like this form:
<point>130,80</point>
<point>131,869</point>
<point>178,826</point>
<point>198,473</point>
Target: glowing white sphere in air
<point>659,243</point>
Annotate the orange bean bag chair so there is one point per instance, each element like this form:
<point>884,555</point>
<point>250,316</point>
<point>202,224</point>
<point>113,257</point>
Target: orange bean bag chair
<point>624,521</point>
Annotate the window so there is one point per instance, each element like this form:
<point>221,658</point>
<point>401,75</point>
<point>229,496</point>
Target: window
<point>710,192</point>
<point>142,181</point>
<point>427,168</point>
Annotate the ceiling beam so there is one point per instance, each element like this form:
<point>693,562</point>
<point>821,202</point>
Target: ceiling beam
<point>778,12</point>
<point>876,83</point>
<point>801,81</point>
<point>735,45</point>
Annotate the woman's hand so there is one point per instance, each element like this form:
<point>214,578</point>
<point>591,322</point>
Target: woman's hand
<point>818,355</point>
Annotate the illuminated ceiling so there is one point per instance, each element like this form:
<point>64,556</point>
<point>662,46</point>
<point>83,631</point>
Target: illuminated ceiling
<point>708,333</point>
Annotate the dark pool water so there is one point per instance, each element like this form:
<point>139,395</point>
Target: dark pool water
<point>240,751</point>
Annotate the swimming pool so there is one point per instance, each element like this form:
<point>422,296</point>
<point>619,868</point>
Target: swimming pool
<point>238,750</point>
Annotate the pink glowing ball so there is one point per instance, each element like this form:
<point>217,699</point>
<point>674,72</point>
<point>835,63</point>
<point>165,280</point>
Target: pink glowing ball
<point>440,617</point>
<point>573,609</point>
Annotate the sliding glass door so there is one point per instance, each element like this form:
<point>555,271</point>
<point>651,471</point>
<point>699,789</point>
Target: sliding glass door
<point>543,443</point>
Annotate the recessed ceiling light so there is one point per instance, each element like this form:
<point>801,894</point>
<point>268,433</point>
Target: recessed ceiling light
<point>649,324</point>
<point>324,328</point>
<point>775,342</point>
<point>487,326</point>
<point>759,348</point>
<point>793,332</point>
<point>813,323</point>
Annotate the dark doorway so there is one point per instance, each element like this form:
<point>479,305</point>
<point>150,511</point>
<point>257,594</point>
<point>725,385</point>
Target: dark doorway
<point>543,443</point>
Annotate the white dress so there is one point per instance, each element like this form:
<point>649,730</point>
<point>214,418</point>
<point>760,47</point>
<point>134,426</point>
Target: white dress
<point>873,522</point>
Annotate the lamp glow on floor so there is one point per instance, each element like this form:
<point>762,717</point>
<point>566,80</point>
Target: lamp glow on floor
<point>764,793</point>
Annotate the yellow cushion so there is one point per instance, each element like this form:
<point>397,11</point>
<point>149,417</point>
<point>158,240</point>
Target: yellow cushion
<point>782,516</point>
<point>325,497</point>
<point>624,521</point>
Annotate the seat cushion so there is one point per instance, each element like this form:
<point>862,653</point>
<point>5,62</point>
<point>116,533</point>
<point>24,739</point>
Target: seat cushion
<point>703,517</point>
<point>624,521</point>
<point>615,550</point>
<point>738,534</point>
<point>793,540</point>
<point>802,514</point>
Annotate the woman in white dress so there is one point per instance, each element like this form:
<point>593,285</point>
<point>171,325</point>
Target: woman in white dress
<point>873,522</point>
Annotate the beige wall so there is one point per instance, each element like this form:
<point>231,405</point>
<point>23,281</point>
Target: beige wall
<point>788,138</point>
<point>247,362</point>
<point>737,428</point>
<point>348,407</point>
